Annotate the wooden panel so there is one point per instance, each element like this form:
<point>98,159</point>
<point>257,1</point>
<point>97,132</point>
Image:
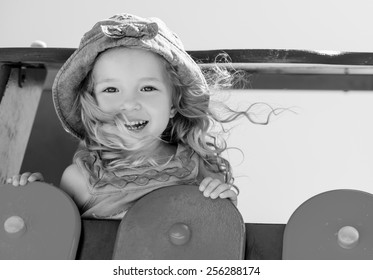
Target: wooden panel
<point>97,239</point>
<point>38,222</point>
<point>286,56</point>
<point>263,241</point>
<point>333,225</point>
<point>272,68</point>
<point>35,55</point>
<point>60,55</point>
<point>4,76</point>
<point>49,153</point>
<point>308,82</point>
<point>17,112</point>
<point>179,223</point>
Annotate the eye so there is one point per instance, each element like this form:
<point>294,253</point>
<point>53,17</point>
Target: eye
<point>148,89</point>
<point>110,90</point>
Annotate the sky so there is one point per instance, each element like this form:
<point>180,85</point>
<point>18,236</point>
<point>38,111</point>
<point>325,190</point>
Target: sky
<point>201,24</point>
<point>292,159</point>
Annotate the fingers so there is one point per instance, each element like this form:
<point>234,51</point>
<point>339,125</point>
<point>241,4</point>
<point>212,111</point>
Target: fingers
<point>208,185</point>
<point>37,176</point>
<point>230,194</point>
<point>214,188</point>
<point>23,179</point>
<point>14,180</point>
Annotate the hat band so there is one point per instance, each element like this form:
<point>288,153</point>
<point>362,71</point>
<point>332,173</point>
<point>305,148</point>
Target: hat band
<point>142,30</point>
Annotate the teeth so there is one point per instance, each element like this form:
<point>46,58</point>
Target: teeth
<point>136,125</point>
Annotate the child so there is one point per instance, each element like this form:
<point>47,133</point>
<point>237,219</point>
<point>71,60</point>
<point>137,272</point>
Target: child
<point>140,106</point>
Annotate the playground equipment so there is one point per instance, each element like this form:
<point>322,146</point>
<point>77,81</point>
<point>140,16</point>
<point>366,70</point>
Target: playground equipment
<point>42,222</point>
<point>37,222</point>
<point>32,139</point>
<point>336,224</point>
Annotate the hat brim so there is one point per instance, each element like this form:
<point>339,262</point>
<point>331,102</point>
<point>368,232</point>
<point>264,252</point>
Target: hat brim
<point>68,82</point>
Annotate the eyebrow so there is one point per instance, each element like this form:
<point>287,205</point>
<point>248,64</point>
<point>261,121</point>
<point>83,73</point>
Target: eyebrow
<point>108,80</point>
<point>150,79</point>
<point>105,80</point>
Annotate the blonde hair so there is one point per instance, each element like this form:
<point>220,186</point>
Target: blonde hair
<point>192,124</point>
<point>107,136</point>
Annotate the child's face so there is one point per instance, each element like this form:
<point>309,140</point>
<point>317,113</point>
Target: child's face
<point>134,81</point>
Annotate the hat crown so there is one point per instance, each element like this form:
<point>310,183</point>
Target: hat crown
<point>136,30</point>
<point>126,25</point>
<point>121,30</point>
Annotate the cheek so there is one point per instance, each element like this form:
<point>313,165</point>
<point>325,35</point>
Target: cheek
<point>160,109</point>
<point>106,105</point>
<point>161,102</point>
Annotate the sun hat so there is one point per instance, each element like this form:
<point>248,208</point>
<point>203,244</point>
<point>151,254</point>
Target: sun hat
<point>120,30</point>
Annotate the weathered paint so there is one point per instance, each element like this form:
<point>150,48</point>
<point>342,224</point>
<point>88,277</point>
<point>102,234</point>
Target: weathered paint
<point>17,112</point>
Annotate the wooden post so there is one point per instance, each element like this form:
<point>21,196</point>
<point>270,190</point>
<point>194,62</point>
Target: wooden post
<point>17,112</point>
<point>4,76</point>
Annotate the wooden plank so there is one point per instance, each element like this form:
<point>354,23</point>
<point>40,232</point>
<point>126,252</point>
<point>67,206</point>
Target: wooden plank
<point>285,56</point>
<point>271,68</point>
<point>289,68</point>
<point>35,55</point>
<point>263,241</point>
<point>57,56</point>
<point>308,82</point>
<point>4,76</point>
<point>17,112</point>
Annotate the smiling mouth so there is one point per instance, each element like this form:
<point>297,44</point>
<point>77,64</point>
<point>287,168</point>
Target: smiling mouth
<point>136,125</point>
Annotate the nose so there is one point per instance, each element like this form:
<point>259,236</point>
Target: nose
<point>130,103</point>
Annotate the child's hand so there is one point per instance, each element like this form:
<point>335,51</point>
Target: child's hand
<point>23,179</point>
<point>214,188</point>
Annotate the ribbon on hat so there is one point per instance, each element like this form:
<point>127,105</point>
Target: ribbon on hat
<point>142,30</point>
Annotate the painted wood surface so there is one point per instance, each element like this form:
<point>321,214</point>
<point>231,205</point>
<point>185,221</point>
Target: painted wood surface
<point>38,222</point>
<point>60,55</point>
<point>263,69</point>
<point>17,112</point>
<point>178,222</point>
<point>333,225</point>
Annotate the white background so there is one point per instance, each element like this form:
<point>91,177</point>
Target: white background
<point>326,145</point>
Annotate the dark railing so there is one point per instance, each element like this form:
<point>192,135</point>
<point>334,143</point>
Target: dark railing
<point>266,68</point>
<point>60,55</point>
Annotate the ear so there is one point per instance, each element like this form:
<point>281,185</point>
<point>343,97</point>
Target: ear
<point>172,112</point>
